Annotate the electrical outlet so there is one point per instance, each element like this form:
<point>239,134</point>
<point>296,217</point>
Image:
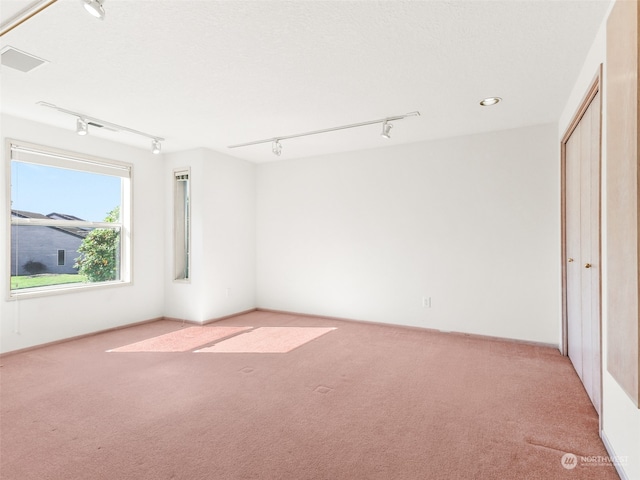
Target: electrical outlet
<point>426,302</point>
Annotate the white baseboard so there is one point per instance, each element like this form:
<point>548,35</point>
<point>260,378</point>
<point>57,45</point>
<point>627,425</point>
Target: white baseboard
<point>612,454</point>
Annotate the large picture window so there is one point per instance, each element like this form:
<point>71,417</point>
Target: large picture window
<point>70,220</point>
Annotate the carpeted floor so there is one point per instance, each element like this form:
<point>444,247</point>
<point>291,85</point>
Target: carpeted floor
<point>268,340</point>
<point>183,340</point>
<point>362,402</point>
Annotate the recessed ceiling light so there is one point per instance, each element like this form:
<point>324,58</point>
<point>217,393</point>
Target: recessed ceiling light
<point>487,102</point>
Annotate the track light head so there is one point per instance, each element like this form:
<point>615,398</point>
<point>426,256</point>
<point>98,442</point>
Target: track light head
<point>82,128</point>
<point>386,129</point>
<point>155,147</point>
<point>95,8</point>
<point>276,148</point>
<point>489,101</point>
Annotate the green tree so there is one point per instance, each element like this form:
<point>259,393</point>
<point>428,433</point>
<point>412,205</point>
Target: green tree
<point>98,260</point>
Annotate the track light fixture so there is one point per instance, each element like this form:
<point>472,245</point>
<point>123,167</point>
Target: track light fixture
<point>386,129</point>
<point>83,121</point>
<point>276,147</point>
<point>489,101</point>
<point>95,8</point>
<point>82,128</point>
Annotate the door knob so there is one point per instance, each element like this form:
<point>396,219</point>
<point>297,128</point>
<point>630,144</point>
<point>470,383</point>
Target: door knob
<point>570,260</point>
<point>587,265</point>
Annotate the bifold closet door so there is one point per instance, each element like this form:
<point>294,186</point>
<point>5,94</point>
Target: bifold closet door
<point>573,232</point>
<point>582,216</point>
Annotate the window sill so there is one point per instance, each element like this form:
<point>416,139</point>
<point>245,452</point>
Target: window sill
<point>37,292</point>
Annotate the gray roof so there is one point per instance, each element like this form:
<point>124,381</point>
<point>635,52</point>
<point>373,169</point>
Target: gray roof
<point>75,231</point>
<point>63,216</point>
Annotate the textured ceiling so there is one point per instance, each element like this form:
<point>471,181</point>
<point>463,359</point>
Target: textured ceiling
<point>216,73</point>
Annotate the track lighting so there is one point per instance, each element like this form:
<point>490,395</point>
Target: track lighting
<point>25,14</point>
<point>386,129</point>
<point>276,147</point>
<point>82,128</point>
<point>83,121</point>
<point>95,8</point>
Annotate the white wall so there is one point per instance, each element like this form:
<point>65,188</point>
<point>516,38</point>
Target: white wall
<point>184,300</point>
<point>223,237</point>
<point>620,417</point>
<point>472,222</point>
<point>33,321</point>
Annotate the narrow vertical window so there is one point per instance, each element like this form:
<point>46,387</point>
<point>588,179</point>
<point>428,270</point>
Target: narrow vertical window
<point>60,257</point>
<point>182,225</point>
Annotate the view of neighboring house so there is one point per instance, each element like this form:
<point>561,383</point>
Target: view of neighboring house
<point>43,249</point>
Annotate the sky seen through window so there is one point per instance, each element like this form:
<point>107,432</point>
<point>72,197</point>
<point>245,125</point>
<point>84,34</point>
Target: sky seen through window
<point>43,189</point>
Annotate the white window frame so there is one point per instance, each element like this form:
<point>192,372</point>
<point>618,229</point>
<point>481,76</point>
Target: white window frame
<point>26,152</point>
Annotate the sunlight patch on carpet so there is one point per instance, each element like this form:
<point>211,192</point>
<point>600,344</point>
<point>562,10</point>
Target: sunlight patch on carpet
<point>268,340</point>
<point>182,340</point>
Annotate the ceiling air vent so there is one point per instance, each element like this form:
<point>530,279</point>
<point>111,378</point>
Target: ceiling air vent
<point>14,58</point>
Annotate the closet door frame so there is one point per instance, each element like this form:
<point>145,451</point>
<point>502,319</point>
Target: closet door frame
<point>595,87</point>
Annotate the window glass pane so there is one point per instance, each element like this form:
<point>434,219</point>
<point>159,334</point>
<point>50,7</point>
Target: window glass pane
<point>75,194</point>
<point>93,256</point>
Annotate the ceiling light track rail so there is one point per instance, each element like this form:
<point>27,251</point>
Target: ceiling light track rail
<point>277,147</point>
<point>83,122</point>
<point>24,15</point>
